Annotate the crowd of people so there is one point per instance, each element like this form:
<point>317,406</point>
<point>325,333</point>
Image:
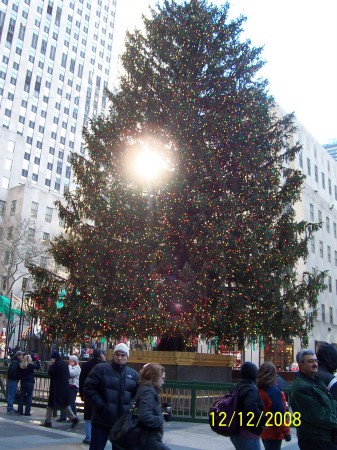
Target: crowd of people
<point>109,388</point>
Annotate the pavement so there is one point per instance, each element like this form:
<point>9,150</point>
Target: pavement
<point>24,433</point>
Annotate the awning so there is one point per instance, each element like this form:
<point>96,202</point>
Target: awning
<point>5,306</point>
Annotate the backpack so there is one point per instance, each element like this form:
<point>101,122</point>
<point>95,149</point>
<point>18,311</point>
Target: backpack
<point>223,415</point>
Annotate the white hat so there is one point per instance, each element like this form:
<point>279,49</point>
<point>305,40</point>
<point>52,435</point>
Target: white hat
<point>73,358</point>
<point>122,348</point>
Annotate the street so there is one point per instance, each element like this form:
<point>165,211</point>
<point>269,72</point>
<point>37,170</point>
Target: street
<point>20,432</point>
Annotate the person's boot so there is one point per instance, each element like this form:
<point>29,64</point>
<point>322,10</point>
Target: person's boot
<point>46,424</point>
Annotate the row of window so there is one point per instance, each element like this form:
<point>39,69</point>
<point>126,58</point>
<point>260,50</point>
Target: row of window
<point>323,315</point>
<point>320,220</point>
<point>323,180</point>
<point>33,211</point>
<point>25,281</point>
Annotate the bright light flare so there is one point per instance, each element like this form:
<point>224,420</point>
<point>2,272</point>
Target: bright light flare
<point>149,165</point>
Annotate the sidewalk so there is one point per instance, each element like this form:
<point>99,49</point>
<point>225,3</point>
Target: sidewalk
<point>21,432</point>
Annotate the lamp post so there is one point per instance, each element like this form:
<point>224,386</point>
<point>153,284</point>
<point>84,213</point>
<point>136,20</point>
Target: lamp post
<point>21,320</point>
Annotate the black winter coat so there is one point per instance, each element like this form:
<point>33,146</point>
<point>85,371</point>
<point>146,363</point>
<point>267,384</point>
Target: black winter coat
<point>327,365</point>
<point>109,388</point>
<point>27,375</point>
<point>151,418</point>
<point>13,370</point>
<point>251,406</point>
<point>85,370</point>
<point>59,381</point>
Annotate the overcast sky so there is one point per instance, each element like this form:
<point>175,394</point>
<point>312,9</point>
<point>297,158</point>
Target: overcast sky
<point>300,50</point>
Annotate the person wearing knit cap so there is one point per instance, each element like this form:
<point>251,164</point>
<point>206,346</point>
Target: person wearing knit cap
<point>122,348</point>
<point>58,399</point>
<point>109,388</point>
<point>74,379</point>
<point>251,407</point>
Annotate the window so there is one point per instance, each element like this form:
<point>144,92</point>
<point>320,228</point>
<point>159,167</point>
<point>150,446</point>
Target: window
<point>330,284</point>
<point>312,216</point>
<point>319,216</point>
<point>313,245</point>
<point>327,224</point>
<point>44,262</point>
<point>64,60</point>
<point>323,312</point>
<point>43,46</point>
<point>330,314</point>
<point>34,40</point>
<point>5,183</point>
<point>46,236</point>
<point>47,182</point>
<point>308,166</point>
<point>52,52</point>
<point>49,213</point>
<point>329,186</point>
<point>24,173</point>
<point>31,234</point>
<point>335,258</point>
<point>316,174</point>
<point>321,249</point>
<point>34,209</point>
<point>329,253</point>
<point>13,207</point>
<point>334,230</point>
<point>3,208</point>
<point>24,286</point>
<point>6,257</point>
<point>323,180</point>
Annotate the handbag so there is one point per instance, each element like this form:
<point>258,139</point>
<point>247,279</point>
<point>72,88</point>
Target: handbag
<point>126,433</point>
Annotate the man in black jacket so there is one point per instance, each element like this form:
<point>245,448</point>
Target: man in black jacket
<point>97,357</point>
<point>109,388</point>
<point>58,390</point>
<point>12,380</point>
<point>327,365</point>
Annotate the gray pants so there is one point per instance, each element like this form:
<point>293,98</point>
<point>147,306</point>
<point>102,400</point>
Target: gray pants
<point>67,410</point>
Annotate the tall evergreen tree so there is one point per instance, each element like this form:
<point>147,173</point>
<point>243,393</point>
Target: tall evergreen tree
<point>212,246</point>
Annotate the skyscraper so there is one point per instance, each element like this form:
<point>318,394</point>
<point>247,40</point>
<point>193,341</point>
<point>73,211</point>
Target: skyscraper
<point>56,58</point>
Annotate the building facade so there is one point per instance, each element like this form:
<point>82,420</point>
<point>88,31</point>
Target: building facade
<point>318,204</point>
<point>56,61</point>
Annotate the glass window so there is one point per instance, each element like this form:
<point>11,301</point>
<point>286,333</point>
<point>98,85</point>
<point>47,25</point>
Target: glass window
<point>34,209</point>
<point>13,207</point>
<point>49,213</point>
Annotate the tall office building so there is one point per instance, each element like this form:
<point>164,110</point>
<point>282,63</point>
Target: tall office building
<point>56,58</point>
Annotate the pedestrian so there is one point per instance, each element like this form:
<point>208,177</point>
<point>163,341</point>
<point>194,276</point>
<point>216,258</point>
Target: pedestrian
<point>109,388</point>
<point>97,357</point>
<point>27,381</point>
<point>274,401</point>
<point>58,390</point>
<point>73,386</point>
<point>327,365</point>
<point>314,410</point>
<point>12,381</point>
<point>150,416</point>
<point>250,405</point>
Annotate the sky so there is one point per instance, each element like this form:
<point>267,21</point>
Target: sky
<point>300,49</point>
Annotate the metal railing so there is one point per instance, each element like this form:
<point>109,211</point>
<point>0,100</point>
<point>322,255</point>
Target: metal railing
<point>190,400</point>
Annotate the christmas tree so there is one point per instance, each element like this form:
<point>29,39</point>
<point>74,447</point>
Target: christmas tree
<point>210,246</point>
